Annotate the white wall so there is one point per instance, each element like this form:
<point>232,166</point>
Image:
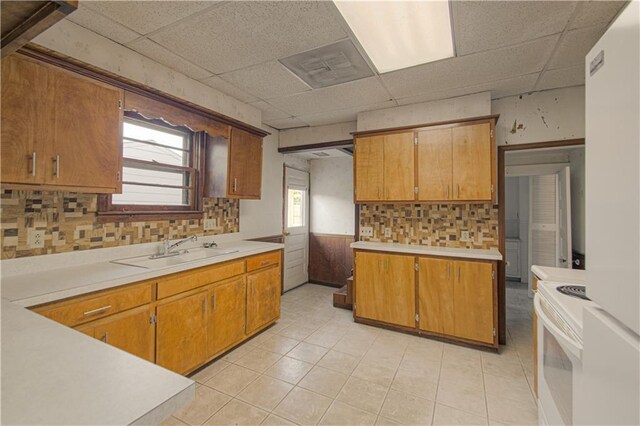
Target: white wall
<point>578,228</point>
<point>475,105</point>
<point>540,117</point>
<point>84,45</point>
<point>317,134</point>
<point>332,209</point>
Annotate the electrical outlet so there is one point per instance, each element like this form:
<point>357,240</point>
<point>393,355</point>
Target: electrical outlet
<point>464,235</point>
<point>387,232</point>
<point>366,231</point>
<point>209,224</point>
<point>36,238</point>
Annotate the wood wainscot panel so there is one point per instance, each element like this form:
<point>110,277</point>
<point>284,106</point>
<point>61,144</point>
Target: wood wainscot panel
<point>330,258</point>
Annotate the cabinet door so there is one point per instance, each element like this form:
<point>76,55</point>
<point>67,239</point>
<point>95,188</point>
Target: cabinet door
<point>245,165</point>
<point>472,162</point>
<point>87,134</point>
<point>227,315</point>
<point>181,333</point>
<point>473,301</point>
<point>263,298</point>
<point>435,165</point>
<point>385,288</point>
<point>399,167</point>
<point>130,331</point>
<point>435,290</point>
<point>26,123</point>
<point>369,154</point>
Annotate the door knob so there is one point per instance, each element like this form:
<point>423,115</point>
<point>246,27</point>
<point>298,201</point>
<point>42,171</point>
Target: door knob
<point>286,234</point>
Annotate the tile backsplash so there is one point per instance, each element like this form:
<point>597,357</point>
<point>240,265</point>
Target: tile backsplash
<point>432,224</point>
<point>69,223</point>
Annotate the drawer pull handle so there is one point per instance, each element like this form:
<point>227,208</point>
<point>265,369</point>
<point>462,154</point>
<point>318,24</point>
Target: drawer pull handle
<point>97,311</point>
<point>265,262</point>
<point>33,164</point>
<point>56,161</point>
<point>105,338</point>
<point>213,302</point>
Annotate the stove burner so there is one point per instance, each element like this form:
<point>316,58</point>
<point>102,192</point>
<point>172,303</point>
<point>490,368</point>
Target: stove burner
<point>573,291</point>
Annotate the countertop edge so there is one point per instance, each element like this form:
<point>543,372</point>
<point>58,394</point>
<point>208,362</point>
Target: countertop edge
<point>481,254</point>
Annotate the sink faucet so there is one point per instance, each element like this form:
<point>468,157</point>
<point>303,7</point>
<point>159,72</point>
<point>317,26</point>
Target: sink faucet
<point>168,247</point>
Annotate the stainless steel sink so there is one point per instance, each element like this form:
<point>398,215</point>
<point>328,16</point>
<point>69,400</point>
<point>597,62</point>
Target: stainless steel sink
<point>185,256</point>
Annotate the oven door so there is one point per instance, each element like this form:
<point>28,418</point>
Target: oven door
<point>559,365</point>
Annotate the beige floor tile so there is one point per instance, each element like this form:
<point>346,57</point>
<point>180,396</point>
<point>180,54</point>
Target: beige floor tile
<point>377,373</point>
<point>206,403</point>
<point>447,416</point>
<point>323,338</point>
<point>353,346</point>
<point>303,407</point>
<point>265,392</point>
<point>279,326</point>
<point>468,377</point>
<point>279,344</point>
<point>210,371</point>
<point>323,381</point>
<point>273,420</point>
<point>506,387</point>
<point>237,413</point>
<point>238,352</point>
<point>338,361</point>
<point>459,395</point>
<point>232,379</point>
<point>512,411</point>
<point>262,337</point>
<point>172,421</point>
<point>297,332</point>
<point>415,383</point>
<point>343,414</point>
<point>502,368</point>
<point>258,360</point>
<point>289,369</point>
<point>427,367</point>
<point>363,394</point>
<point>308,352</point>
<point>407,409</point>
<point>385,421</point>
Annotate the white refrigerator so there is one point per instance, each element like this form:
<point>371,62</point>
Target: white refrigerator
<point>610,392</point>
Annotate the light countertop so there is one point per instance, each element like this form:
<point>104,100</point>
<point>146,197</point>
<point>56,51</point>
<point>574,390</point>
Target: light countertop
<point>52,374</point>
<point>564,275</point>
<point>483,254</point>
<point>30,289</point>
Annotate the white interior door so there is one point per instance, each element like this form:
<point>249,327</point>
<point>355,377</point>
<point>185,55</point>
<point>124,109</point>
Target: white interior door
<point>564,219</point>
<point>543,221</point>
<point>296,228</point>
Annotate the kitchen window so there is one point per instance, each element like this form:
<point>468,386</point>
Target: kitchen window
<point>159,170</point>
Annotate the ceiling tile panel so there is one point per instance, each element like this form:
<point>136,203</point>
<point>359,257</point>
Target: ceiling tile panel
<point>366,91</point>
<point>485,25</point>
<point>147,16</point>
<point>154,51</point>
<point>574,46</point>
<point>286,123</point>
<point>228,88</point>
<point>595,13</point>
<point>239,34</point>
<point>564,77</point>
<point>269,112</point>
<point>266,80</point>
<point>342,115</point>
<point>471,70</point>
<point>97,23</point>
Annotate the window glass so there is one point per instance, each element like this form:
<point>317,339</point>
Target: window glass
<point>295,208</point>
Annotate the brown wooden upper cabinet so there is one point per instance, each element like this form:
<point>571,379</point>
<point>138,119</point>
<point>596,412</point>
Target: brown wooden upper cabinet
<point>59,129</point>
<point>234,166</point>
<point>384,167</point>
<point>453,162</point>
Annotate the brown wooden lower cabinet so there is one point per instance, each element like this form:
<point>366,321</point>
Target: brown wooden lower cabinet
<point>447,297</point>
<point>263,298</point>
<point>185,325</point>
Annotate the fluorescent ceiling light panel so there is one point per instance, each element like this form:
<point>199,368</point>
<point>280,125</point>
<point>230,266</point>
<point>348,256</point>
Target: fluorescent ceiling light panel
<point>400,34</point>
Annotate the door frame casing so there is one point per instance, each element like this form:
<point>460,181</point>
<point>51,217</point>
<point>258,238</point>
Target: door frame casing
<point>502,149</point>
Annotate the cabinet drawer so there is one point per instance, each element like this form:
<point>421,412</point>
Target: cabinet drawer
<point>189,280</point>
<point>263,260</point>
<point>100,305</point>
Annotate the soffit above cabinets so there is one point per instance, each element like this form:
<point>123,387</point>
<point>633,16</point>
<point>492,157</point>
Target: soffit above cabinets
<point>506,47</point>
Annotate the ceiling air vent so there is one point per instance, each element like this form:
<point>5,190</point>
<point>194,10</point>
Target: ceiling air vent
<point>328,65</point>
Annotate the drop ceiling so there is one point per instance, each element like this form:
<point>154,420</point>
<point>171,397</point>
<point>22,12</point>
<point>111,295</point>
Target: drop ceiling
<point>506,47</point>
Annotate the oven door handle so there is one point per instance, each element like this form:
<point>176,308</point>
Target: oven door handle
<point>563,338</point>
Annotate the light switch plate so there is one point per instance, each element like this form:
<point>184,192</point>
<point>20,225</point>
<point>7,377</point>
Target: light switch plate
<point>464,235</point>
<point>36,238</point>
<point>209,224</point>
<point>366,231</point>
<point>387,232</point>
